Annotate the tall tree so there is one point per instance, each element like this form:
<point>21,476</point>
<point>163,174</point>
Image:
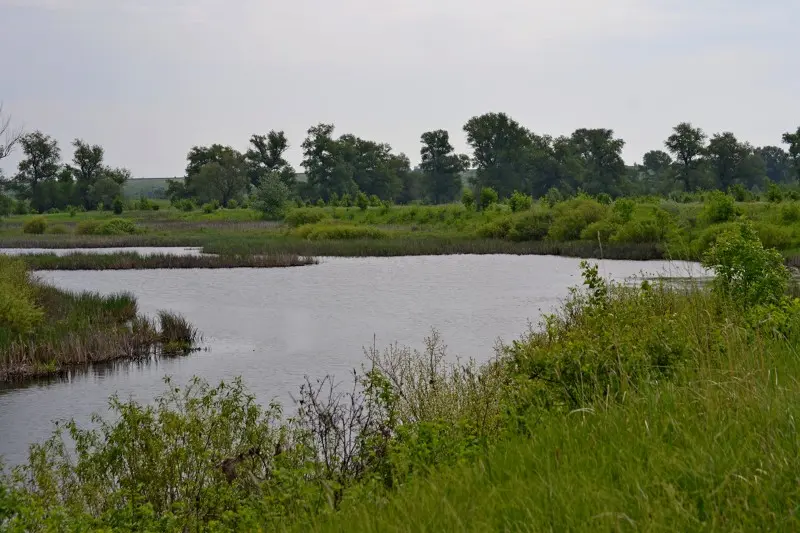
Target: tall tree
<point>266,155</point>
<point>87,168</point>
<point>223,180</point>
<point>9,137</point>
<point>500,152</point>
<point>687,144</point>
<point>793,140</point>
<point>200,156</point>
<point>441,166</point>
<point>726,156</point>
<point>40,165</point>
<point>777,163</point>
<point>322,159</point>
<point>656,161</point>
<point>600,155</point>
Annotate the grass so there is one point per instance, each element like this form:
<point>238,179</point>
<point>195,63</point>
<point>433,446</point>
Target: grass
<point>44,330</point>
<point>132,260</point>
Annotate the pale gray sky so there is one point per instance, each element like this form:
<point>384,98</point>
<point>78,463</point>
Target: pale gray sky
<point>148,79</point>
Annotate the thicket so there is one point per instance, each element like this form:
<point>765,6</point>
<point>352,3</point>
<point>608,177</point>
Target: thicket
<point>208,457</point>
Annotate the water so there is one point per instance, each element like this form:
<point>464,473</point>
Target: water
<point>274,326</point>
<point>145,250</point>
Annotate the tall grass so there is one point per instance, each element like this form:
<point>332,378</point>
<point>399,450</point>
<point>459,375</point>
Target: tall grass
<point>132,261</point>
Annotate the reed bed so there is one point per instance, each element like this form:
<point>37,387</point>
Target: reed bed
<point>135,261</point>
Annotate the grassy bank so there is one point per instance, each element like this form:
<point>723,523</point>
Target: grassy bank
<point>44,330</point>
<point>628,228</point>
<point>131,261</point>
<point>632,408</point>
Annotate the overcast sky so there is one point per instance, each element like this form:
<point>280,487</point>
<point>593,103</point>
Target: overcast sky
<point>148,79</point>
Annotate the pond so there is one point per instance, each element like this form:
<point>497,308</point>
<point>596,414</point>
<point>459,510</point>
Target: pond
<point>274,326</point>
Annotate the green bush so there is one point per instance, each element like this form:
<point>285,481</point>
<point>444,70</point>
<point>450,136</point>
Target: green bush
<point>744,270</point>
<point>6,205</point>
<point>306,215</point>
<point>639,231</point>
<point>790,213</point>
<point>21,207</point>
<point>488,197</point>
<point>520,202</point>
<point>114,226</point>
<point>271,197</point>
<point>186,205</point>
<point>774,192</point>
<point>335,232</point>
<point>58,229</point>
<point>602,229</point>
<point>19,313</point>
<point>468,198</point>
<point>346,200</point>
<point>570,218</point>
<point>320,202</point>
<point>362,201</point>
<point>117,206</point>
<point>375,201</point>
<point>232,204</point>
<point>35,226</point>
<point>604,198</point>
<point>719,207</point>
<point>553,197</point>
<point>623,209</point>
<point>208,208</point>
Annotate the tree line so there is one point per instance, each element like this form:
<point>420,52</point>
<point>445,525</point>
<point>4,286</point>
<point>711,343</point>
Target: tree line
<point>505,156</point>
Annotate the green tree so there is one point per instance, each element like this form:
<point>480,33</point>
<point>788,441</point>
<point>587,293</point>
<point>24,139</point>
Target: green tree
<point>441,166</point>
<point>600,155</point>
<point>727,158</point>
<point>687,144</point>
<point>87,168</point>
<point>327,172</point>
<point>222,180</point>
<point>103,192</point>
<point>777,163</point>
<point>501,152</point>
<point>271,197</point>
<point>38,170</point>
<point>793,140</point>
<point>266,155</point>
<point>656,161</point>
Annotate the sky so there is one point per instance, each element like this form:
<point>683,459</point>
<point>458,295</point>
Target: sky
<point>149,79</point>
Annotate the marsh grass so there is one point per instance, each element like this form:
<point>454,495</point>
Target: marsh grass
<point>134,261</point>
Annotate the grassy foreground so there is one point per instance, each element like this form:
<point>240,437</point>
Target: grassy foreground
<point>633,408</point>
<point>44,330</point>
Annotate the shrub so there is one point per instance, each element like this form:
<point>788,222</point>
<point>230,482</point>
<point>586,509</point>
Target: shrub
<point>519,202</point>
<point>530,225</point>
<point>362,201</point>
<point>623,209</point>
<point>790,213</point>
<point>232,204</point>
<point>572,217</point>
<point>346,200</point>
<point>602,229</point>
<point>299,217</point>
<point>35,226</point>
<point>114,226</point>
<point>488,197</point>
<point>719,207</point>
<point>271,197</point>
<point>155,207</point>
<point>604,198</point>
<point>774,192</point>
<point>774,236</point>
<point>6,205</point>
<point>19,313</point>
<point>72,211</point>
<point>320,202</point>
<point>553,197</point>
<point>117,206</point>
<point>330,232</point>
<point>739,193</point>
<point>21,207</point>
<point>143,204</point>
<point>639,231</point>
<point>87,227</point>
<point>208,208</point>
<point>746,271</point>
<point>186,205</point>
<point>375,201</point>
<point>468,198</point>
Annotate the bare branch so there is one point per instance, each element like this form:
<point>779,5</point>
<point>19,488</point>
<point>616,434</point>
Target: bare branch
<point>9,137</point>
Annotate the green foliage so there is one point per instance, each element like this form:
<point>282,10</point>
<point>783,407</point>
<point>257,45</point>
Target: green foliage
<point>774,192</point>
<point>73,211</point>
<point>570,218</point>
<point>114,226</point>
<point>328,232</point>
<point>299,217</point>
<point>488,197</point>
<point>208,208</point>
<point>519,202</point>
<point>623,210</point>
<point>117,205</point>
<point>362,202</point>
<point>186,205</point>
<point>468,198</point>
<point>790,213</point>
<point>739,193</point>
<point>346,200</point>
<point>35,226</point>
<point>19,313</point>
<point>719,207</point>
<point>6,205</point>
<point>746,271</point>
<point>271,197</point>
<point>604,198</point>
<point>57,229</point>
<point>553,197</point>
<point>375,201</point>
<point>602,230</point>
<point>232,204</point>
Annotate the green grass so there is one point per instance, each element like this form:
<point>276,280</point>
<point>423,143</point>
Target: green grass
<point>134,261</point>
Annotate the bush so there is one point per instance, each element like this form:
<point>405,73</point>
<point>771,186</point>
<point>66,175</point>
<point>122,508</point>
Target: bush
<point>602,229</point>
<point>72,210</point>
<point>232,204</point>
<point>572,217</point>
<point>604,198</point>
<point>143,204</point>
<point>739,193</point>
<point>468,199</point>
<point>271,197</point>
<point>208,208</point>
<point>746,271</point>
<point>488,197</point>
<point>719,207</point>
<point>6,205</point>
<point>320,202</point>
<point>346,200</point>
<point>19,314</point>
<point>35,226</point>
<point>375,201</point>
<point>519,202</point>
<point>790,213</point>
<point>299,217</point>
<point>553,197</point>
<point>362,201</point>
<point>331,232</point>
<point>117,206</point>
<point>21,207</point>
<point>114,226</point>
<point>774,192</point>
<point>186,205</point>
<point>623,209</point>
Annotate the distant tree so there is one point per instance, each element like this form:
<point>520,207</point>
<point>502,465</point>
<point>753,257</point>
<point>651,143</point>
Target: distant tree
<point>327,172</point>
<point>87,169</point>
<point>777,163</point>
<point>271,197</point>
<point>793,140</point>
<point>38,170</point>
<point>102,193</point>
<point>687,144</point>
<point>266,155</point>
<point>656,161</point>
<point>413,186</point>
<point>501,152</point>
<point>119,175</point>
<point>600,157</point>
<point>200,155</point>
<point>727,158</point>
<point>441,166</point>
<point>222,180</point>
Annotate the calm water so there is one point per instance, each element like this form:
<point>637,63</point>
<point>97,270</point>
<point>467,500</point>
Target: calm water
<point>148,250</point>
<point>274,326</point>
